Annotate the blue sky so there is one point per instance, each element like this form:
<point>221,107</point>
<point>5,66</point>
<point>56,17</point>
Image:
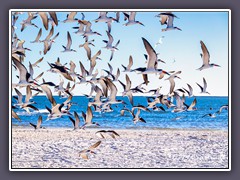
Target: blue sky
<point>181,46</point>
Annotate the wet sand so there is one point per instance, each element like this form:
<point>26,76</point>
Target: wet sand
<point>159,148</point>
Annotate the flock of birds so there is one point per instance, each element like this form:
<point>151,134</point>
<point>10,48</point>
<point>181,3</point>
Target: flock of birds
<point>103,89</point>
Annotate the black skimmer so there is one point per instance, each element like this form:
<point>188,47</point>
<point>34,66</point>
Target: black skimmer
<point>128,67</point>
<point>103,18</point>
<point>38,37</point>
<point>71,17</point>
<point>87,48</point>
<point>93,62</point>
<point>88,31</point>
<point>69,43</point>
<point>167,18</point>
<point>45,19</point>
<point>39,122</point>
<point>190,91</point>
<point>191,107</point>
<point>75,122</point>
<point>15,116</point>
<point>25,78</point>
<point>109,45</point>
<point>88,118</point>
<point>205,58</point>
<point>28,21</point>
<point>127,89</point>
<point>222,108</point>
<point>111,133</point>
<point>152,61</point>
<point>172,82</point>
<point>83,153</point>
<point>204,88</point>
<point>131,19</point>
<point>48,41</point>
<point>37,62</point>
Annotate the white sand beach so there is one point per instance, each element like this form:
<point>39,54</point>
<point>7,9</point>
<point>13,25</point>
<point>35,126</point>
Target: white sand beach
<point>160,148</point>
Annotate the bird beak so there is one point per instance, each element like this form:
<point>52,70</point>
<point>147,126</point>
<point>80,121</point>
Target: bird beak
<point>217,65</point>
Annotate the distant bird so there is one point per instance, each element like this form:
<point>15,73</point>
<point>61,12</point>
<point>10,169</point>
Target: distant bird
<point>71,18</point>
<point>168,18</point>
<point>60,69</point>
<point>39,122</point>
<point>15,116</point>
<point>109,45</point>
<point>210,115</point>
<point>190,91</point>
<point>127,89</point>
<point>48,40</point>
<point>88,118</point>
<point>111,133</point>
<point>83,153</point>
<point>191,107</point>
<point>75,122</point>
<point>164,17</point>
<point>80,29</point>
<point>69,43</point>
<point>28,21</point>
<point>204,88</point>
<point>103,18</point>
<point>223,107</point>
<point>172,82</point>
<point>205,58</point>
<point>45,19</point>
<point>136,117</point>
<point>128,67</point>
<point>93,62</point>
<point>38,37</point>
<point>25,77</point>
<point>37,62</point>
<point>113,92</point>
<point>87,48</point>
<point>179,104</point>
<point>159,41</point>
<point>88,31</point>
<point>152,61</point>
<point>131,19</point>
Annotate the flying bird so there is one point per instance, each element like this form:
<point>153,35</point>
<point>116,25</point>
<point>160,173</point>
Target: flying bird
<point>205,58</point>
<point>84,153</point>
<point>69,43</point>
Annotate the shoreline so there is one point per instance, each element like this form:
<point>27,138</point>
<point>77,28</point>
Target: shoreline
<point>15,126</point>
<point>135,148</point>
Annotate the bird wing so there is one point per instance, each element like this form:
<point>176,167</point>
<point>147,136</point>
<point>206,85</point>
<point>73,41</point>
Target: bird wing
<point>72,15</point>
<point>77,121</point>
<point>94,145</point>
<point>22,69</point>
<point>192,104</point>
<point>69,40</point>
<point>48,93</point>
<point>132,16</point>
<point>204,84</point>
<point>50,34</point>
<point>20,96</point>
<point>130,63</point>
<point>152,56</point>
<point>44,18</point>
<point>110,38</point>
<point>39,122</point>
<point>53,15</point>
<point>205,53</point>
<point>89,115</point>
<point>28,94</point>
